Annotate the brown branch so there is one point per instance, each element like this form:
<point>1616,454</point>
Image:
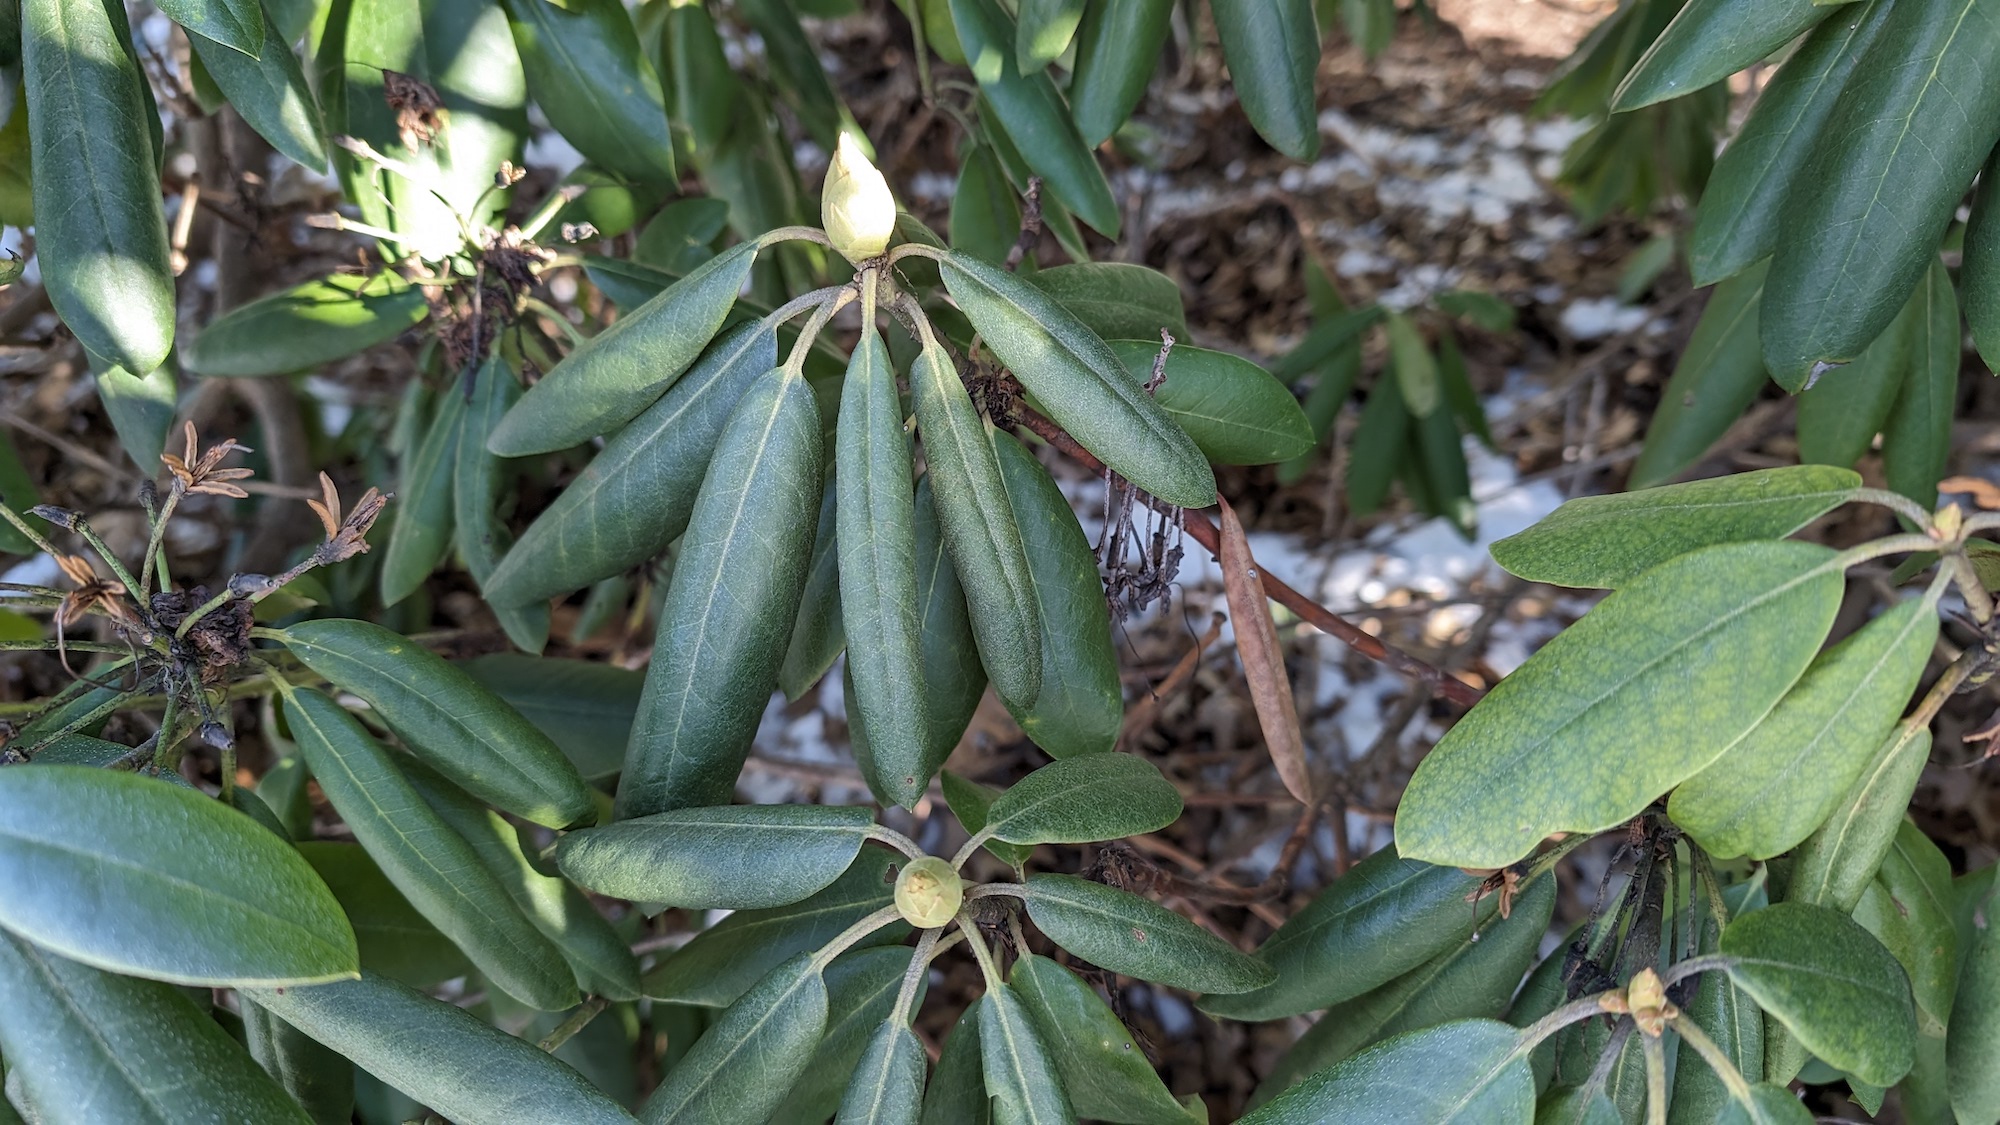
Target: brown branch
<point>1204,532</point>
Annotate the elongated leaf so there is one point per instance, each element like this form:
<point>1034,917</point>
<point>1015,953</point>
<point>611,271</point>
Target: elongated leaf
<point>1645,691</point>
<point>602,962</point>
<point>1830,982</point>
<point>471,60</point>
<point>1717,377</point>
<point>1414,365</point>
<point>861,989</point>
<point>1102,1069</point>
<point>730,604</point>
<point>1916,439</point>
<point>1834,866</point>
<point>435,869</point>
<point>1380,444</point>
<point>682,235</point>
<point>878,578</point>
<point>888,1083</point>
<point>1263,659</point>
<point>1020,1076</point>
<point>1979,272</point>
<point>618,373</point>
<point>1056,219</point>
<point>985,215</point>
<point>1044,31</point>
<point>1465,1071</point>
<point>1385,916</point>
<point>1236,412</point>
<point>1117,300</point>
<point>1124,933</point>
<point>100,233</point>
<point>1971,1079</point>
<point>723,961</point>
<point>970,802</point>
<point>794,64</point>
<point>477,483</point>
<point>318,1079</point>
<point>742,1067</point>
<point>952,671</point>
<point>1440,457</point>
<point>421,532</point>
<point>637,494</point>
<point>1034,115</point>
<point>1336,331</point>
<point>228,904</point>
<point>307,325</point>
<point>1726,1014</point>
<point>1474,979</point>
<point>818,636</point>
<point>141,410</point>
<point>586,71</point>
<point>1117,48</point>
<point>444,716</point>
<point>1081,703</point>
<point>734,857</point>
<point>585,708</point>
<point>1709,41</point>
<point>1783,778</point>
<point>238,25</point>
<point>957,1090</point>
<point>1272,48</point>
<point>395,940</point>
<point>86,1046</point>
<point>1081,382</point>
<point>1903,142</point>
<point>440,1054</point>
<point>979,529</point>
<point>1908,907</point>
<point>269,90</point>
<point>1084,799</point>
<point>1840,415</point>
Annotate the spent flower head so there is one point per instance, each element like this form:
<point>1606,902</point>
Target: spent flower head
<point>197,470</point>
<point>345,537</point>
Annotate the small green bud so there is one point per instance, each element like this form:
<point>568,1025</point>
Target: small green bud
<point>928,892</point>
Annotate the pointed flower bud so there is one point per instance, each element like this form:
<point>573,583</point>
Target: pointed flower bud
<point>855,204</point>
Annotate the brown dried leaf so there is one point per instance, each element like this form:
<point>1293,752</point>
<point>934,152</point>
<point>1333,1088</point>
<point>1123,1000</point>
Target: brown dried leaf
<point>1263,660</point>
<point>1984,492</point>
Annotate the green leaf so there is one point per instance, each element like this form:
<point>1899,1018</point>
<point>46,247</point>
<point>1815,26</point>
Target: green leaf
<point>601,960</point>
<point>1908,907</point>
<point>735,857</point>
<point>1330,337</point>
<point>1033,113</point>
<point>615,375</point>
<point>268,88</point>
<point>682,236</point>
<point>584,707</point>
<point>861,989</point>
<point>300,328</point>
<point>1717,377</point>
<point>1117,49</point>
<point>100,233</point>
<point>878,591</point>
<point>1646,690</point>
<point>1644,267</point>
<point>1971,1078</point>
<point>985,216</point>
<point>469,56</point>
<point>1117,300</point>
<point>1056,218</point>
<point>1837,861</point>
<point>637,494</point>
<point>743,1065</point>
<point>1020,1076</point>
<point>1575,1105</point>
<point>953,674</point>
<point>730,604</point>
<point>1380,441</point>
<point>1385,916</point>
<point>1728,1017</point>
<point>1081,704</point>
<point>395,940</point>
<point>1272,48</point>
<point>1916,439</point>
<point>818,635</point>
<point>141,411</point>
<point>1236,412</point>
<point>421,532</point>
<point>1440,457</point>
<point>437,871</point>
<point>1102,1070</point>
<point>795,69</point>
<point>18,493</point>
<point>227,904</point>
<point>1831,984</point>
<point>1045,30</point>
<point>1979,270</point>
<point>723,961</point>
<point>318,1079</point>
<point>586,71</point>
<point>238,25</point>
<point>1414,365</point>
<point>1785,776</point>
<point>464,731</point>
<point>888,1083</point>
<point>477,483</point>
<point>440,1054</point>
<point>957,1091</point>
<point>1084,799</point>
<point>1904,140</point>
<point>1474,979</point>
<point>1465,1071</point>
<point>970,802</point>
<point>1080,381</point>
<point>1709,41</point>
<point>979,529</point>
<point>1488,311</point>
<point>85,1045</point>
<point>1124,933</point>
<point>1751,186</point>
<point>1840,414</point>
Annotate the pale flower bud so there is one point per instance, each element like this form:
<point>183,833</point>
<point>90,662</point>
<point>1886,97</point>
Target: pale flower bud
<point>855,204</point>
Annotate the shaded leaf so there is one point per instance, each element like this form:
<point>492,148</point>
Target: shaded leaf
<point>888,1083</point>
<point>1117,49</point>
<point>269,90</point>
<point>1465,1071</point>
<point>1263,658</point>
<point>1836,862</point>
<point>818,635</point>
<point>1273,53</point>
<point>1831,984</point>
<point>1916,438</point>
<point>587,73</point>
<point>732,856</point>
<point>1116,300</point>
<point>395,940</point>
<point>969,802</point>
<point>861,989</point>
<point>1717,376</point>
<point>420,532</point>
<point>743,1065</point>
<point>584,707</point>
<point>1020,1077</point>
<point>1101,1068</point>
<point>1124,933</point>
